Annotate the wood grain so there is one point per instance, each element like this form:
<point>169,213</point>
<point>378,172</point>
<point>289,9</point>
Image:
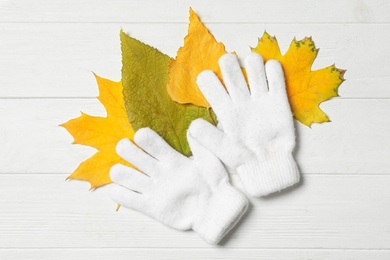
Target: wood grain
<point>196,254</point>
<point>355,142</point>
<point>56,60</point>
<point>331,211</point>
<point>47,52</point>
<point>219,11</point>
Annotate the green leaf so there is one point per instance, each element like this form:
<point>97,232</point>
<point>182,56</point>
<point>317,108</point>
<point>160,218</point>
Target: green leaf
<point>144,78</point>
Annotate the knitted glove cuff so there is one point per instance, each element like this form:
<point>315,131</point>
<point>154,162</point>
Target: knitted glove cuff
<point>269,173</point>
<point>220,214</point>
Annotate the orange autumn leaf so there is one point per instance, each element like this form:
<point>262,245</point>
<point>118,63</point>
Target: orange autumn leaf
<point>306,89</point>
<point>200,52</point>
<point>102,133</point>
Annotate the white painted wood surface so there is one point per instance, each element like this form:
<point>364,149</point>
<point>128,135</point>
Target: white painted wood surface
<point>47,52</point>
<point>49,55</point>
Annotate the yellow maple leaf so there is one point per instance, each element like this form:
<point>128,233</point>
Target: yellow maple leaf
<point>200,52</point>
<point>306,89</point>
<point>102,133</point>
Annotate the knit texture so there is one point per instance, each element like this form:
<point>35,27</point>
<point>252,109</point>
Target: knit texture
<point>258,136</point>
<point>223,210</point>
<point>180,192</point>
<point>268,174</point>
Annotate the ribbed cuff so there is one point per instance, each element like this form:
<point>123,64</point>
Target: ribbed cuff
<point>220,214</point>
<point>269,174</point>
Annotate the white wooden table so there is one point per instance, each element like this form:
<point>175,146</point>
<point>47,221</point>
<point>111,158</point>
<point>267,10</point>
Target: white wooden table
<point>48,49</point>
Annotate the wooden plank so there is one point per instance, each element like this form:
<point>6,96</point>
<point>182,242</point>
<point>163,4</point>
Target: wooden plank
<point>47,52</point>
<point>331,211</point>
<point>356,142</point>
<point>179,254</point>
<point>59,62</point>
<point>280,11</point>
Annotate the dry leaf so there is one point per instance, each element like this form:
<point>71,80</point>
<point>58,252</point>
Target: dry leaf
<point>102,133</point>
<point>144,78</point>
<point>200,52</point>
<point>306,89</point>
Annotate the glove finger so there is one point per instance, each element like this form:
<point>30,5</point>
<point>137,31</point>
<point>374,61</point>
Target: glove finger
<point>136,156</point>
<point>129,178</point>
<point>233,77</point>
<point>275,77</point>
<point>255,70</point>
<point>214,92</point>
<point>127,198</point>
<point>229,151</point>
<point>206,158</point>
<point>155,145</point>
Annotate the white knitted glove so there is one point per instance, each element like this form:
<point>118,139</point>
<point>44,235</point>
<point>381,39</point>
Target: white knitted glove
<point>177,191</point>
<point>258,130</point>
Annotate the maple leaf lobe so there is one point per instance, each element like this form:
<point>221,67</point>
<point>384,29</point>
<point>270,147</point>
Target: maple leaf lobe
<point>200,52</point>
<point>101,133</point>
<point>306,89</point>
